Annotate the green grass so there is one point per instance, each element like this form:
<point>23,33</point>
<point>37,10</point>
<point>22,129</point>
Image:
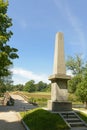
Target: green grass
<point>41,102</point>
<point>46,95</point>
<point>83,116</point>
<point>39,119</point>
<point>40,98</point>
<point>38,94</point>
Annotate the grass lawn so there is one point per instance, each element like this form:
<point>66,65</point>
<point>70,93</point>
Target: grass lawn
<point>37,94</point>
<point>83,116</point>
<point>39,119</point>
<point>39,98</point>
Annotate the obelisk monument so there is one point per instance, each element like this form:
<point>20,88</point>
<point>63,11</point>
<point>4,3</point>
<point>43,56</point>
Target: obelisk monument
<point>59,91</point>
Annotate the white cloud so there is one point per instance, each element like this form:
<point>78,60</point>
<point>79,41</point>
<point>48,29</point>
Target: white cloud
<point>21,76</point>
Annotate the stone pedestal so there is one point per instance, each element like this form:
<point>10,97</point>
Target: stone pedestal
<point>59,91</point>
<point>59,106</point>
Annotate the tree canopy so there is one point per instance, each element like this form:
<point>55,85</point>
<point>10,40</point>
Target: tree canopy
<point>75,64</point>
<point>7,53</point>
<point>72,84</point>
<point>30,86</point>
<point>78,83</point>
<point>81,91</point>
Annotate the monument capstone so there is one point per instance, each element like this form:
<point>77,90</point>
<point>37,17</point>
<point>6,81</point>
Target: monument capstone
<point>59,91</point>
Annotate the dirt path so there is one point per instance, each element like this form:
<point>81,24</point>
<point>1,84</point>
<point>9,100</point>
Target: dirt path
<point>8,114</point>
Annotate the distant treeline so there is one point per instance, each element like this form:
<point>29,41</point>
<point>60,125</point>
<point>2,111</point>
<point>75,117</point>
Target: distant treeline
<point>29,86</point>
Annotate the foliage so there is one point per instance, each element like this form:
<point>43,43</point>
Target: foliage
<point>2,87</point>
<point>48,88</point>
<point>9,87</point>
<point>7,53</point>
<point>72,84</point>
<point>18,87</point>
<point>75,64</point>
<point>72,97</point>
<point>40,86</point>
<point>78,84</point>
<point>39,119</point>
<point>81,91</point>
<point>29,86</point>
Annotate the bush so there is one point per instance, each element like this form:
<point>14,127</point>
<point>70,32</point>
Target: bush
<point>72,97</point>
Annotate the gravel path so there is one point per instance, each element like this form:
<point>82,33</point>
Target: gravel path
<point>8,114</point>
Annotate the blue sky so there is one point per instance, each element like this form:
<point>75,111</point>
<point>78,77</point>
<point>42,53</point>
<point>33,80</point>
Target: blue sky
<point>35,23</point>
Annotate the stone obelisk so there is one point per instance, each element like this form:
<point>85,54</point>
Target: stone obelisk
<point>59,91</point>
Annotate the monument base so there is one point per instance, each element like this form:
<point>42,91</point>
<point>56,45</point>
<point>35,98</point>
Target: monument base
<point>59,106</point>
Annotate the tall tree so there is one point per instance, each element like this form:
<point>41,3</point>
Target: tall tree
<point>81,91</point>
<point>7,53</point>
<point>78,84</point>
<point>78,67</point>
<point>75,64</point>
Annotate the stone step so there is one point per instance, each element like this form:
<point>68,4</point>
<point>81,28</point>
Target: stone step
<point>67,113</point>
<point>69,116</point>
<point>77,124</point>
<point>73,120</point>
<point>79,128</point>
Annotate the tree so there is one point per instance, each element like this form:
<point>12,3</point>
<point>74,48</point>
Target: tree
<point>78,84</point>
<point>81,91</point>
<point>48,88</point>
<point>2,87</point>
<point>18,87</point>
<point>75,64</point>
<point>7,53</point>
<point>72,84</point>
<point>40,86</point>
<point>29,86</point>
<point>78,68</point>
